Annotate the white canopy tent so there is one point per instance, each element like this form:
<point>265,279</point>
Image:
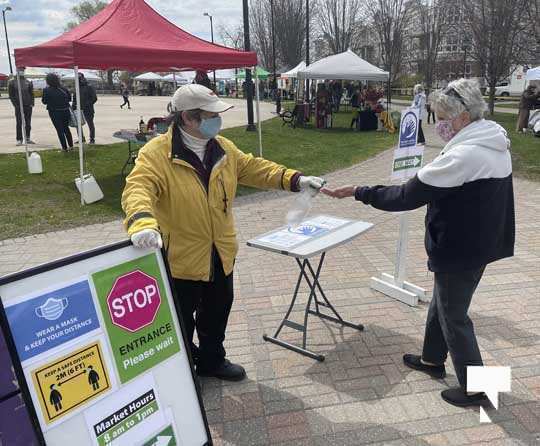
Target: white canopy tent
<point>175,77</point>
<point>533,74</point>
<point>148,77</point>
<point>346,66</point>
<point>294,71</point>
<point>89,75</point>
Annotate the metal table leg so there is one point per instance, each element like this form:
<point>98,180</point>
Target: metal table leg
<point>313,285</point>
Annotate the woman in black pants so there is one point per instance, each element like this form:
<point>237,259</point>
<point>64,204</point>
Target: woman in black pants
<point>57,98</point>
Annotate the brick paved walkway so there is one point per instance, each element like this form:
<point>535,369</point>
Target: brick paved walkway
<point>361,394</point>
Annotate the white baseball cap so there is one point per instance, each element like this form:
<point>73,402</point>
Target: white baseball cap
<point>195,96</point>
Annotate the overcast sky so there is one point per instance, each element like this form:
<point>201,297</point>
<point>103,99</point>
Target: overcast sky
<point>36,21</point>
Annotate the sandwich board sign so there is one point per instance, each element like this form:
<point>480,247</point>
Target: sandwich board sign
<point>99,351</point>
<point>408,156</point>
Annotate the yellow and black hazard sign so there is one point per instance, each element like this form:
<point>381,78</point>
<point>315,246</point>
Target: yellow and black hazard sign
<point>70,381</point>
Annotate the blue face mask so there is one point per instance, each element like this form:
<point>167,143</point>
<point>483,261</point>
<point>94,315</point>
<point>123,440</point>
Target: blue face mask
<point>210,127</point>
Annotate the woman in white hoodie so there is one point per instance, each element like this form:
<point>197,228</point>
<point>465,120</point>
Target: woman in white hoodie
<point>419,102</point>
<point>469,223</point>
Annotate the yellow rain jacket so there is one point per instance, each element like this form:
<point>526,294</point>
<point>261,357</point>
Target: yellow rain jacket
<point>165,192</point>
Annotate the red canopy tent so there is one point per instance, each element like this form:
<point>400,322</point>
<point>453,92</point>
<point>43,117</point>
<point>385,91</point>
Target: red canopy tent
<point>129,35</point>
<point>3,77</point>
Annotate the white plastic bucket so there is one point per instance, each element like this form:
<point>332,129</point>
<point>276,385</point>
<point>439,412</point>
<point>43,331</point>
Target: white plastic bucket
<point>34,163</point>
<point>92,191</point>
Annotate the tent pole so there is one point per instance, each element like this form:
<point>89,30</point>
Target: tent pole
<point>79,131</point>
<point>258,111</point>
<point>23,121</point>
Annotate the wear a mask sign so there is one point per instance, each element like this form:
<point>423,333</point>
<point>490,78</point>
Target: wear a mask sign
<point>48,320</point>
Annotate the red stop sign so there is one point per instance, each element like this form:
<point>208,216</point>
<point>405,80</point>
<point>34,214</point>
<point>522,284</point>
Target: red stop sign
<point>134,301</point>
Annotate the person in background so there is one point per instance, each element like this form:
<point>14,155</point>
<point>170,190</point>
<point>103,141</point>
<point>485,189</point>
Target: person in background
<point>201,78</point>
<point>125,96</point>
<point>470,222</point>
<point>57,99</point>
<point>180,194</point>
<point>355,107</point>
<point>430,111</point>
<point>28,103</point>
<point>88,99</point>
<point>419,102</point>
<point>528,101</point>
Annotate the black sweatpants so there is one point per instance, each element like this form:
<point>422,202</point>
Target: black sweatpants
<point>126,102</point>
<point>448,327</point>
<point>421,137</point>
<point>27,110</point>
<point>206,307</point>
<point>89,117</point>
<point>60,120</point>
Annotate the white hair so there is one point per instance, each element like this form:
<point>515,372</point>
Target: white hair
<point>459,96</point>
<point>418,88</point>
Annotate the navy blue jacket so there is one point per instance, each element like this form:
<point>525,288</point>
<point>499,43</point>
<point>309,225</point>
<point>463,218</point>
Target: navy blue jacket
<point>468,191</point>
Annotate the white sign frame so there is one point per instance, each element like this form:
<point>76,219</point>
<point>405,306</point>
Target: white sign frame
<point>175,377</point>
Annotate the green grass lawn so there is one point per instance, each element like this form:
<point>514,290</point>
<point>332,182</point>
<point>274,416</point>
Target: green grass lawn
<point>39,203</point>
<point>525,148</point>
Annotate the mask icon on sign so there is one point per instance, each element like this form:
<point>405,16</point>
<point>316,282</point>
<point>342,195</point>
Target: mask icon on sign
<point>52,309</point>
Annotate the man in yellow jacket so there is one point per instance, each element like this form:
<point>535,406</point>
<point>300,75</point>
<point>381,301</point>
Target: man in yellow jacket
<point>180,195</point>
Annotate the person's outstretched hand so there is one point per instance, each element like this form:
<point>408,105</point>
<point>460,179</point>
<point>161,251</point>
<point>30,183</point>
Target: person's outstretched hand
<point>340,192</point>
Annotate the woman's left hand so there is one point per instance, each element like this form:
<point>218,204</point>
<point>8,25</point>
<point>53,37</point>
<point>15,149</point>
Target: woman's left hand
<point>340,192</point>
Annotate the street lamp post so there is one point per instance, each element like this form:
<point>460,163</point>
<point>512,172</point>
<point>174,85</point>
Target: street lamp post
<point>307,48</point>
<point>273,47</point>
<point>7,8</point>
<point>212,37</point>
<point>248,82</point>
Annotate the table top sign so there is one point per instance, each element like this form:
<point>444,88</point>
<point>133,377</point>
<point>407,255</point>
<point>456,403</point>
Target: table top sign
<point>311,237</point>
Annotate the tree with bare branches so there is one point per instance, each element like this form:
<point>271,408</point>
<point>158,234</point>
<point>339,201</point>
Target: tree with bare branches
<point>290,28</point>
<point>233,37</point>
<point>428,21</point>
<point>389,19</point>
<point>498,31</point>
<point>337,21</point>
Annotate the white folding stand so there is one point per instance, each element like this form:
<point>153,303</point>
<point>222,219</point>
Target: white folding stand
<point>396,286</point>
<point>407,161</point>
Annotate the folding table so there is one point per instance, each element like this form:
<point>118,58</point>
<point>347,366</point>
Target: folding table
<point>314,236</point>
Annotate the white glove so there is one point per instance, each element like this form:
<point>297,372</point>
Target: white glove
<point>313,184</point>
<point>147,238</point>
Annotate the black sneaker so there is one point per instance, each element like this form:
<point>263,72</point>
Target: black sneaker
<point>458,397</point>
<point>414,362</point>
<point>227,371</point>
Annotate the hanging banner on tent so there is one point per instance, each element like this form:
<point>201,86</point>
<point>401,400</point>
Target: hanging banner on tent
<point>408,156</point>
<point>137,315</point>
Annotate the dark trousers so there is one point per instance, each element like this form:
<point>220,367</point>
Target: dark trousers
<point>27,110</point>
<point>89,117</point>
<point>60,120</point>
<point>126,101</point>
<point>448,327</point>
<point>431,114</point>
<point>206,307</point>
<point>421,138</point>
